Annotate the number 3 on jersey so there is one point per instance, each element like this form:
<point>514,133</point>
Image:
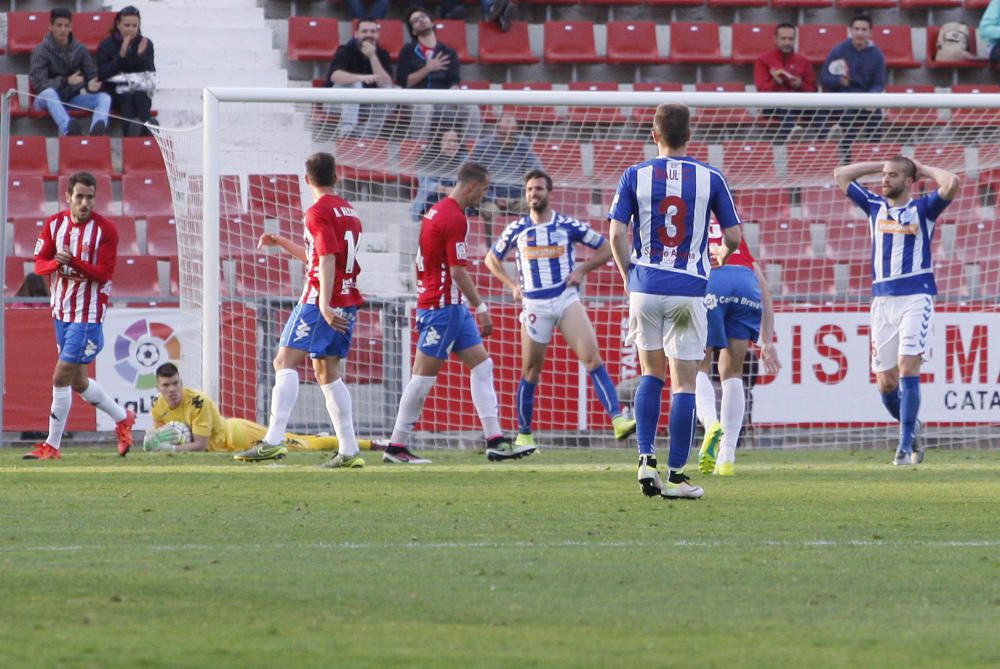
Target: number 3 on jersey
<point>674,229</point>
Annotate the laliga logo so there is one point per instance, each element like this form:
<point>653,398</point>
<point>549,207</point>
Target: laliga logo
<point>141,349</point>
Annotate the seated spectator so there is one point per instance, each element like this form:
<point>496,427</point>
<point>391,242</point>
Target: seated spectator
<point>855,65</point>
<point>125,65</point>
<point>436,171</point>
<point>782,70</point>
<point>989,30</point>
<point>508,157</point>
<point>500,12</point>
<point>427,63</point>
<point>376,9</point>
<point>361,63</point>
<point>32,286</point>
<point>62,71</point>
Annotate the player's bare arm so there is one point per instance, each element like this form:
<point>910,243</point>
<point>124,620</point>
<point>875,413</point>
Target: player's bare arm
<point>465,284</point>
<point>768,352</point>
<point>295,250</point>
<point>327,267</point>
<point>846,174</point>
<point>620,249</point>
<point>496,267</point>
<point>601,256</point>
<point>731,237</point>
<point>947,182</point>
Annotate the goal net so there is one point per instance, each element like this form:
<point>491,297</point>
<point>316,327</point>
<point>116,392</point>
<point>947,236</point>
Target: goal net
<point>397,152</point>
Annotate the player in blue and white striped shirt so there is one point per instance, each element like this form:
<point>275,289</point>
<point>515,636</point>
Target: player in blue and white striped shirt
<point>547,281</point>
<point>669,201</point>
<point>902,229</point>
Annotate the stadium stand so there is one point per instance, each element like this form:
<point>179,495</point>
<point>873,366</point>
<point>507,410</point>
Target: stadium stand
<point>570,42</point>
<point>452,33</point>
<point>597,115</point>
<point>161,236</point>
<point>25,31</point>
<point>141,155</point>
<point>750,40</point>
<point>695,44</point>
<point>312,38</point>
<point>128,241</point>
<point>137,276</point>
<point>28,156</point>
<point>896,44</point>
<point>817,39</point>
<point>632,42</point>
<point>26,197</point>
<point>146,195</point>
<point>391,36</point>
<point>26,232</point>
<point>505,48</point>
<point>90,28</point>
<point>85,154</point>
<point>932,35</point>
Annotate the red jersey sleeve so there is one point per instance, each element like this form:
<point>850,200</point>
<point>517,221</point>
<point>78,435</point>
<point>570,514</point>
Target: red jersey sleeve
<point>456,231</point>
<point>45,251</point>
<point>107,256</point>
<point>323,227</point>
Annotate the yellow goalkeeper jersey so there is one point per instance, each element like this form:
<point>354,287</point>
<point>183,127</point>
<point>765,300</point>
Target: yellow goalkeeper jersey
<point>195,410</point>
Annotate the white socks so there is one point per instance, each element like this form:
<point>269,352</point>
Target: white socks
<point>338,405</point>
<point>62,400</point>
<point>733,408</point>
<point>484,397</point>
<point>95,395</point>
<point>410,406</point>
<point>704,397</point>
<point>283,396</point>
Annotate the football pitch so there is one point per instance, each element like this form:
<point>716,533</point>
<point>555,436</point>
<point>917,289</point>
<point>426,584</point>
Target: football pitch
<point>803,559</point>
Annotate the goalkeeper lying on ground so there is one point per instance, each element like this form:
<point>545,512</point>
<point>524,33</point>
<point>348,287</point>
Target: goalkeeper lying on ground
<point>186,420</point>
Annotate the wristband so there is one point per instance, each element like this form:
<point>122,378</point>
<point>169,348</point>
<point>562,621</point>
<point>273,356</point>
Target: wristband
<point>482,308</point>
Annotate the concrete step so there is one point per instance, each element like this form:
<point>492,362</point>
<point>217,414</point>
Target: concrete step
<point>157,16</point>
<point>178,60</point>
<point>200,37</point>
<point>219,76</point>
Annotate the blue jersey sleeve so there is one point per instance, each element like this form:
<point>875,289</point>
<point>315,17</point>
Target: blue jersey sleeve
<point>933,204</point>
<point>723,205</point>
<point>860,196</point>
<point>506,240</point>
<point>582,233</point>
<point>624,206</point>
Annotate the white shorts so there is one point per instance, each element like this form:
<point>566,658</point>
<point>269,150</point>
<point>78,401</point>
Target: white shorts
<point>540,317</point>
<point>676,324</point>
<point>901,325</point>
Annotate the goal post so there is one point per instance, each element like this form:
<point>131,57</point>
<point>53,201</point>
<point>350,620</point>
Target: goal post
<point>238,175</point>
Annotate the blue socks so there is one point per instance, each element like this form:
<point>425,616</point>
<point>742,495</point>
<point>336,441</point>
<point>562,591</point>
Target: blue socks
<point>909,407</point>
<point>891,402</point>
<point>605,390</point>
<point>647,412</point>
<point>525,405</point>
<point>682,417</point>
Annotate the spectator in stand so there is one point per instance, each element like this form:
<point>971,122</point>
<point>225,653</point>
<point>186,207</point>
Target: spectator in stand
<point>782,70</point>
<point>376,9</point>
<point>855,65</point>
<point>508,157</point>
<point>989,30</point>
<point>125,65</point>
<point>62,71</point>
<point>427,63</point>
<point>437,169</point>
<point>361,63</point>
<point>500,12</point>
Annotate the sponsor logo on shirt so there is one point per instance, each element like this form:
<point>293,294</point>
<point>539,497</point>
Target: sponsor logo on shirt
<point>891,227</point>
<point>541,252</point>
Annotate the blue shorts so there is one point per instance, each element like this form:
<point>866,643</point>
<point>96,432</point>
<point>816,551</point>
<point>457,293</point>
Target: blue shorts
<point>734,305</point>
<point>445,330</point>
<point>79,343</point>
<point>307,330</point>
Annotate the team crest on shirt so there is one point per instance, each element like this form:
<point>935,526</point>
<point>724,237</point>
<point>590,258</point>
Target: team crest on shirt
<point>460,250</point>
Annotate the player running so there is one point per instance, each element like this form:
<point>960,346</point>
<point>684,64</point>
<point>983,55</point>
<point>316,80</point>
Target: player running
<point>668,201</point>
<point>322,323</point>
<point>903,287</point>
<point>546,285</point>
<point>446,326</point>
<point>78,248</point>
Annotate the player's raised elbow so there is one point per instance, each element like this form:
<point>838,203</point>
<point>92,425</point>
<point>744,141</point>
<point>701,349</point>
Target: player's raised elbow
<point>732,236</point>
<point>842,177</point>
<point>949,189</point>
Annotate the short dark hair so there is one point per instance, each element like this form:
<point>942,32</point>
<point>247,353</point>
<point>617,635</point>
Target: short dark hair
<point>322,169</point>
<point>909,167</point>
<point>673,124</point>
<point>167,370</point>
<point>85,178</point>
<point>59,13</point>
<point>861,17</point>
<point>786,24</point>
<point>127,10</point>
<point>471,171</point>
<point>366,19</point>
<point>539,174</point>
<point>409,14</point>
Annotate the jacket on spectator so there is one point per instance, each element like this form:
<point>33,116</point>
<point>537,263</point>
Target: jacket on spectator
<point>348,57</point>
<point>52,65</point>
<point>794,63</point>
<point>989,25</point>
<point>412,58</point>
<point>866,69</point>
<point>110,62</point>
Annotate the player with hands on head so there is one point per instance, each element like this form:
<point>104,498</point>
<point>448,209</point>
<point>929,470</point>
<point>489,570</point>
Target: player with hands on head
<point>547,283</point>
<point>903,287</point>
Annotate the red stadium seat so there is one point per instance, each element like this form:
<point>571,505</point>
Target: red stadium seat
<point>8,82</point>
<point>750,40</point>
<point>570,42</point>
<point>988,285</point>
<point>605,115</point>
<point>947,156</point>
<point>859,278</point>
<point>26,198</point>
<point>25,31</point>
<point>932,35</point>
<point>896,43</point>
<point>762,204</point>
<point>604,2</point>
<point>707,116</point>
<point>312,38</point>
<point>90,28</point>
<point>85,154</point>
<point>848,240</point>
<point>675,3</point>
<point>748,164</point>
<point>695,44</point>
<point>137,276</point>
<point>105,192</point>
<point>917,117</point>
<point>509,48</point>
<point>812,158</point>
<point>573,202</point>
<point>972,5</point>
<point>562,160</point>
<point>26,233</point>
<point>928,4</point>
<point>829,203</point>
<point>161,236</point>
<point>28,157</point>
<point>365,366</point>
<point>698,151</point>
<point>530,114</point>
<point>612,157</point>
<point>644,115</point>
<point>365,160</point>
<point>128,242</point>
<point>263,275</point>
<point>807,278</point>
<point>391,36</point>
<point>785,239</point>
<point>14,272</point>
<point>975,117</point>
<point>864,151</point>
<point>238,234</point>
<point>633,42</point>
<point>818,39</point>
<point>452,33</point>
<point>146,195</point>
<point>736,4</point>
<point>275,195</point>
<point>866,4</point>
<point>800,4</point>
<point>975,240</point>
<point>604,281</point>
<point>951,280</point>
<point>141,155</point>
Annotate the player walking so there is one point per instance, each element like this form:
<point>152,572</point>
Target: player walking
<point>668,202</point>
<point>547,287</point>
<point>323,321</point>
<point>903,287</point>
<point>79,249</point>
<point>445,324</point>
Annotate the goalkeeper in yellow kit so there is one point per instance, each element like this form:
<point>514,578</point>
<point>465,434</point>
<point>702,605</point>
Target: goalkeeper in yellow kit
<point>207,429</point>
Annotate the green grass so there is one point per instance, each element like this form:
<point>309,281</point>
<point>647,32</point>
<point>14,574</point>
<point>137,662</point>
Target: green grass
<point>803,559</point>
